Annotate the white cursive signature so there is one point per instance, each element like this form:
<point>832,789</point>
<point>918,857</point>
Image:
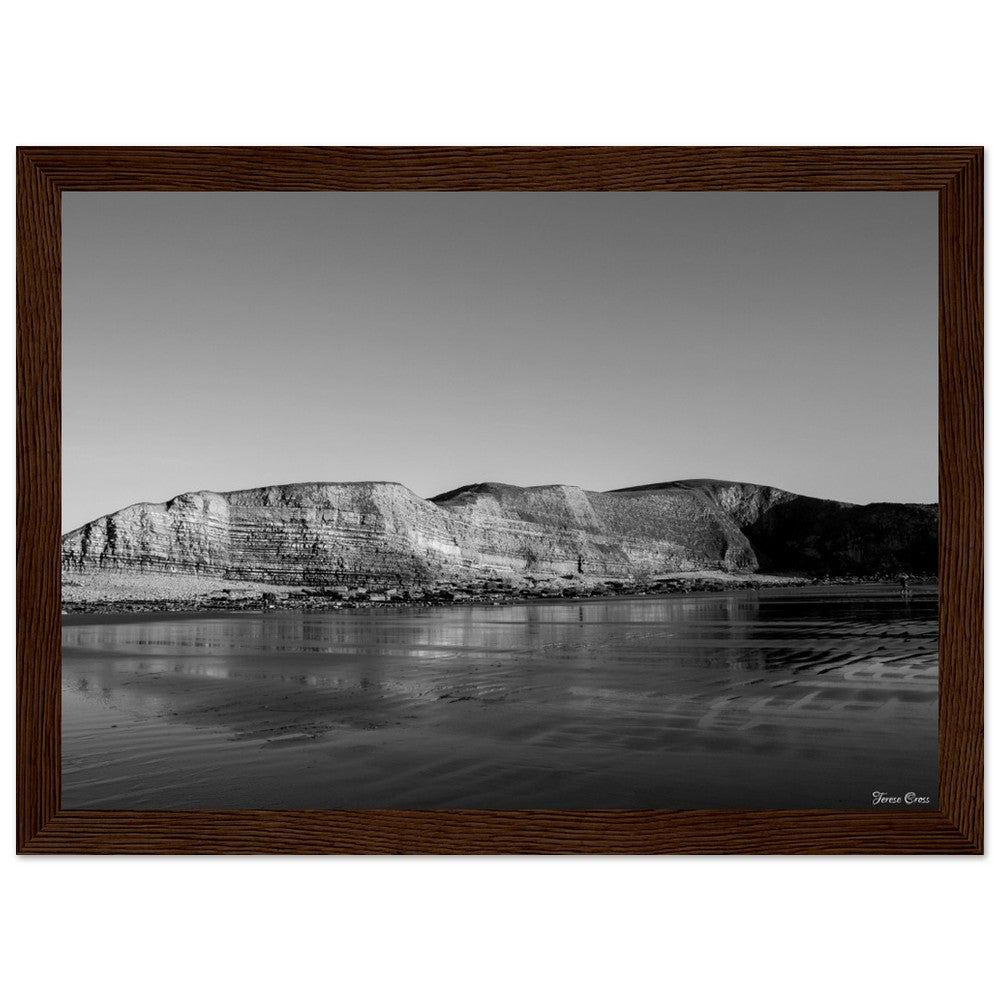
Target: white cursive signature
<point>909,799</point>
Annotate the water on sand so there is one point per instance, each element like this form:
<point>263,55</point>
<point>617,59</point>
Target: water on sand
<point>779,699</point>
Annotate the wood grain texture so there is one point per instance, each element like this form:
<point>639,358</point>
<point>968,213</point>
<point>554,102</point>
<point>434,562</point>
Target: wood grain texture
<point>484,168</point>
<point>955,172</point>
<point>486,832</point>
<point>38,499</point>
<point>960,485</point>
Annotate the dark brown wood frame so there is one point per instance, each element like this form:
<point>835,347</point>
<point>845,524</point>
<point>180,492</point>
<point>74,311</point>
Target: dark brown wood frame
<point>43,173</point>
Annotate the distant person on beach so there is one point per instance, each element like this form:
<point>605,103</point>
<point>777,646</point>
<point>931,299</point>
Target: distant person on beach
<point>904,585</point>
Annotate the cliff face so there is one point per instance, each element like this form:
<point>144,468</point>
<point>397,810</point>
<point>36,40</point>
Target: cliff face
<point>314,534</point>
<point>819,536</point>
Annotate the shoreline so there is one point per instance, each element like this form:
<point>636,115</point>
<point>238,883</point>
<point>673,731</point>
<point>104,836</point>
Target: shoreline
<point>453,595</point>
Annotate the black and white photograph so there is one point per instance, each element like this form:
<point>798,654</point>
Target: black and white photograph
<point>499,500</point>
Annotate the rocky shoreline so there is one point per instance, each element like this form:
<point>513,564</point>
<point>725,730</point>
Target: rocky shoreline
<point>446,594</point>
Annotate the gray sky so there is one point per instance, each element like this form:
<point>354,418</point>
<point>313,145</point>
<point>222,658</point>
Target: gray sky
<point>228,340</point>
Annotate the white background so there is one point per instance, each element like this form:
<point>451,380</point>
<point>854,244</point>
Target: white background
<point>517,73</point>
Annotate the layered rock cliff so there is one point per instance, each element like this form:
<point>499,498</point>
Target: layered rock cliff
<point>322,534</point>
<point>792,533</point>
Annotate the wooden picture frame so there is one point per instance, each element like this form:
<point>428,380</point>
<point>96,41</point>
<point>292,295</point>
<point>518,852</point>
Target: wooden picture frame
<point>956,173</point>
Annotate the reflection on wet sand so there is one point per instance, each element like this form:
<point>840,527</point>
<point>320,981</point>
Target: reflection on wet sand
<point>772,699</point>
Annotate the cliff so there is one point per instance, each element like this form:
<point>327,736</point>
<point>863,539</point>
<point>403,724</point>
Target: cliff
<point>792,533</point>
<point>322,534</point>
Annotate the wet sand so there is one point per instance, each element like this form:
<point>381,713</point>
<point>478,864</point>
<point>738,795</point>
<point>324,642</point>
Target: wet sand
<point>772,699</point>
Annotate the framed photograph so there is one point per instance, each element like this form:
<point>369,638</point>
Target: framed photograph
<point>500,500</point>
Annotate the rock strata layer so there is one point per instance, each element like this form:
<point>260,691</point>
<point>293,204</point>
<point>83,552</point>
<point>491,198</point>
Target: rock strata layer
<point>351,534</point>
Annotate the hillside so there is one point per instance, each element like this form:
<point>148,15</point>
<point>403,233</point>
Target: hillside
<point>325,534</point>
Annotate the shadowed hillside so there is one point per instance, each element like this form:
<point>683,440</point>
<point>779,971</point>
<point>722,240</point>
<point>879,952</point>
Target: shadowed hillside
<point>792,533</point>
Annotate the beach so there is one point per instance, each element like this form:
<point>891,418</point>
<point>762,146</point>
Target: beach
<point>811,697</point>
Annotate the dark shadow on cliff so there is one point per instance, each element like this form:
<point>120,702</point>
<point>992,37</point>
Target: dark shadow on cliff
<point>807,535</point>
